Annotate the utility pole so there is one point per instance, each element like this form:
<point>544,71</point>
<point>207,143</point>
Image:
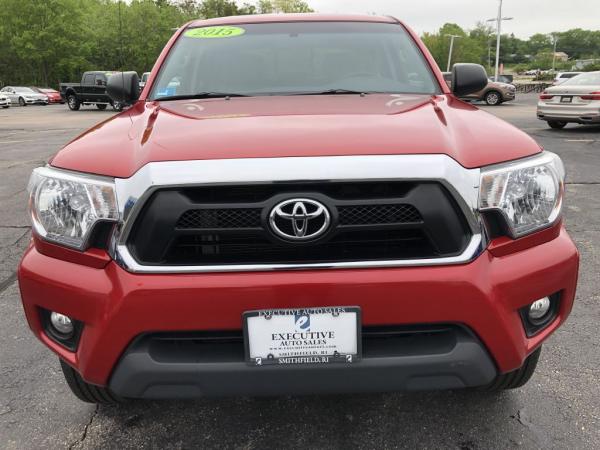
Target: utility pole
<point>498,21</point>
<point>452,37</point>
<point>554,53</point>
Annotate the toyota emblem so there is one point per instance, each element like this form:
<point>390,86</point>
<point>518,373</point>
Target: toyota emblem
<point>299,219</point>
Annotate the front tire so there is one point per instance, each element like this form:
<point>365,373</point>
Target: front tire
<point>516,378</point>
<point>101,107</point>
<point>22,101</point>
<point>86,392</point>
<point>493,98</point>
<point>73,102</point>
<point>556,125</point>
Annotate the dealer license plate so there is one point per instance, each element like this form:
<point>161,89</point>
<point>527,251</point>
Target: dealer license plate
<point>566,99</point>
<point>303,336</point>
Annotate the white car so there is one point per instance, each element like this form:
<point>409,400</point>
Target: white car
<point>561,77</point>
<point>24,96</point>
<point>577,100</point>
<point>4,101</point>
<point>144,79</point>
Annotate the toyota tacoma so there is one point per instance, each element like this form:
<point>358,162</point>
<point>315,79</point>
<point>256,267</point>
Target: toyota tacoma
<point>297,204</point>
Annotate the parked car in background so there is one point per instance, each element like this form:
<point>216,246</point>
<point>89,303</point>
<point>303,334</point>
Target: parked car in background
<point>493,94</point>
<point>561,77</point>
<point>503,78</point>
<point>144,79</point>
<point>577,100</point>
<point>4,100</point>
<point>24,95</point>
<point>91,91</point>
<point>52,94</point>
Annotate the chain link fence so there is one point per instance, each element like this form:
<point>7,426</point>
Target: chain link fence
<point>533,87</point>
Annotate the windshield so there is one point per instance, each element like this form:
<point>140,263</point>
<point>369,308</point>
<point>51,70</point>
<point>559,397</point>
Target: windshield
<point>294,58</point>
<point>585,79</point>
<point>24,90</point>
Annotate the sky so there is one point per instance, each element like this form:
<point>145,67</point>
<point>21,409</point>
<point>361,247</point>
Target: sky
<point>529,16</point>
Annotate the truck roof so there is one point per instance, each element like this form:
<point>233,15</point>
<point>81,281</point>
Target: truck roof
<point>103,72</point>
<point>305,17</point>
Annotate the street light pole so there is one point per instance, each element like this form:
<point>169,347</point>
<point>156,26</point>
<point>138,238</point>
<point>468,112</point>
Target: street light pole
<point>554,53</point>
<point>452,37</point>
<point>498,21</point>
<point>499,29</point>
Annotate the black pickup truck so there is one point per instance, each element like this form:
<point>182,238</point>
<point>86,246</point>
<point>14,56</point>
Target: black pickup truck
<point>91,91</point>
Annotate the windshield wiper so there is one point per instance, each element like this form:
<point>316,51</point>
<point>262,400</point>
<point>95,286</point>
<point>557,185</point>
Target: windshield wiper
<point>200,95</point>
<point>331,92</point>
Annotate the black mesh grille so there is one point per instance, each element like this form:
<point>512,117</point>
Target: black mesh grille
<point>219,218</point>
<point>370,221</point>
<point>378,214</point>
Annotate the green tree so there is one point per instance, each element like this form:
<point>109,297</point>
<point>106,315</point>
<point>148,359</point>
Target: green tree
<point>283,6</point>
<point>37,37</point>
<point>466,48</point>
<point>218,8</point>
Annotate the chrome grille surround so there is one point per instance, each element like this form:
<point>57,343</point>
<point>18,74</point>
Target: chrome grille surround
<point>462,183</point>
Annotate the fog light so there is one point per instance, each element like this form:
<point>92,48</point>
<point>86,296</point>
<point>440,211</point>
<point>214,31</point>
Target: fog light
<point>61,323</point>
<point>539,308</point>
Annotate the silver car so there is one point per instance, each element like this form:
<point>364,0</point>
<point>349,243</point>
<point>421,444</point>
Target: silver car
<point>144,79</point>
<point>576,100</point>
<point>24,96</point>
<point>4,101</point>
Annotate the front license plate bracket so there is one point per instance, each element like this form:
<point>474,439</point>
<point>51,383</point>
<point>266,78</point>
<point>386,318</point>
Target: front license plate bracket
<point>302,336</point>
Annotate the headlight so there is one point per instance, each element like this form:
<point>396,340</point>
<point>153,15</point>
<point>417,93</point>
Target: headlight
<point>65,206</point>
<point>528,193</point>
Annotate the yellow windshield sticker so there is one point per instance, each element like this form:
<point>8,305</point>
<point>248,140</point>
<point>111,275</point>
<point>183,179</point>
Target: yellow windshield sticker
<point>215,32</point>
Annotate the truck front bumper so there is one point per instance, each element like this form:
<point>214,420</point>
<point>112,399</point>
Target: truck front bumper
<point>476,305</point>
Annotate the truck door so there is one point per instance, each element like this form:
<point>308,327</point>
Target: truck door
<point>99,87</point>
<point>87,88</point>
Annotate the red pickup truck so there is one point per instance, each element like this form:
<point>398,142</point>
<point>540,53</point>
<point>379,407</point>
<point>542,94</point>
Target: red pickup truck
<point>297,204</point>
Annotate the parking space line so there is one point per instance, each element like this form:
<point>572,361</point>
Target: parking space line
<point>18,142</point>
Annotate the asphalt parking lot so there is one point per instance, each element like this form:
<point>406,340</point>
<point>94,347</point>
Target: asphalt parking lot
<point>559,408</point>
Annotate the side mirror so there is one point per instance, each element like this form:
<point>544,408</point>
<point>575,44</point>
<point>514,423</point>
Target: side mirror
<point>123,87</point>
<point>468,78</point>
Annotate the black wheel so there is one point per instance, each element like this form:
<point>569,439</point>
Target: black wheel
<point>101,107</point>
<point>5,107</point>
<point>556,125</point>
<point>73,102</point>
<point>86,392</point>
<point>516,378</point>
<point>117,106</point>
<point>493,98</point>
<point>22,101</point>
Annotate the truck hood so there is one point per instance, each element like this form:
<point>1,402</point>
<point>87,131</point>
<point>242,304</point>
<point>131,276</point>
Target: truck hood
<point>283,126</point>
